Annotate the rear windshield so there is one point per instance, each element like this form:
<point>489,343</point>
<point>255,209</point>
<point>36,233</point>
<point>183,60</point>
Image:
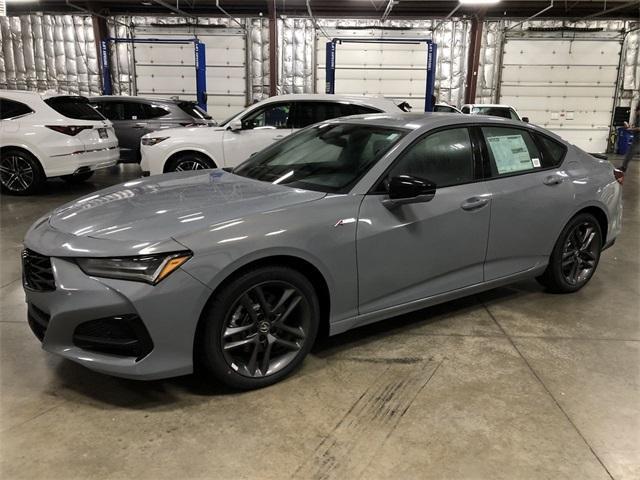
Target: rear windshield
<point>78,108</point>
<point>194,110</point>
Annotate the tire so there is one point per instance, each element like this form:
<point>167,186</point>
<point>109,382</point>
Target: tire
<point>189,161</point>
<point>20,173</point>
<point>77,178</point>
<point>237,336</point>
<point>575,255</point>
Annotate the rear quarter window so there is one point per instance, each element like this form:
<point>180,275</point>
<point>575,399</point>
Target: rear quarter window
<point>553,152</point>
<point>77,108</point>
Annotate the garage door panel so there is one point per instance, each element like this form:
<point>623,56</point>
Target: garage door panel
<point>165,70</point>
<point>561,52</point>
<point>544,75</point>
<point>564,84</point>
<point>380,87</point>
<point>558,103</point>
<point>509,90</point>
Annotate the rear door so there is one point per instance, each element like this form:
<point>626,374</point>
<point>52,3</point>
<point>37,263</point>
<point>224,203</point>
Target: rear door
<point>414,251</point>
<point>532,198</point>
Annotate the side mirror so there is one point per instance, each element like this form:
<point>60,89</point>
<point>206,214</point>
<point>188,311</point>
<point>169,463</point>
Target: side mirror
<point>525,119</point>
<point>405,189</point>
<point>235,125</point>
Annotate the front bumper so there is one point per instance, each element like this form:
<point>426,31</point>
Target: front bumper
<point>169,313</point>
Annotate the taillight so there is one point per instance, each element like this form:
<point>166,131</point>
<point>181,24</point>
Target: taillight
<point>71,130</point>
<point>619,174</point>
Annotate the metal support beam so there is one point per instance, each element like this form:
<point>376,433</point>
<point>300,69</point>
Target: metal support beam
<point>473,62</point>
<point>613,9</point>
<point>273,43</point>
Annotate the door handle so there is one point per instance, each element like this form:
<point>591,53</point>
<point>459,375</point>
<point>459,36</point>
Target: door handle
<point>553,180</point>
<point>474,203</point>
<point>278,137</point>
<point>140,125</point>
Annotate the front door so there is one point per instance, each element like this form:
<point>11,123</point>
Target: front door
<point>260,128</point>
<point>414,251</point>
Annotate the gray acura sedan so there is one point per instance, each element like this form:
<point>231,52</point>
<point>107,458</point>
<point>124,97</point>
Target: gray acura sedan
<point>345,223</point>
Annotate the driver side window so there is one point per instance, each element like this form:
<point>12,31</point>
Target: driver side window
<point>445,158</point>
<point>275,115</point>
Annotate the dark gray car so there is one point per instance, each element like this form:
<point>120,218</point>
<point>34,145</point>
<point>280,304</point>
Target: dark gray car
<point>133,117</point>
<point>344,223</point>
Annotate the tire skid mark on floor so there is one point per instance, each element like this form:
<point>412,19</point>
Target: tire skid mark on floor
<point>362,431</point>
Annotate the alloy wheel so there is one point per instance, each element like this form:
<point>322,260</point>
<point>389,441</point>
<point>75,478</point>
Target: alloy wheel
<point>580,254</point>
<point>16,173</point>
<point>190,165</point>
<point>265,329</point>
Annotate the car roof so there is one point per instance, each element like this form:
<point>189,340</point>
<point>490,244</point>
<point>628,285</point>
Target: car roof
<point>381,102</point>
<point>136,98</point>
<point>428,121</point>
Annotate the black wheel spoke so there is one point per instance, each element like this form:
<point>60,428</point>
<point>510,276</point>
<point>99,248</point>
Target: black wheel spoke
<point>256,342</point>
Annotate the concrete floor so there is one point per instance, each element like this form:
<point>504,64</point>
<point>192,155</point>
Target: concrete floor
<point>512,384</point>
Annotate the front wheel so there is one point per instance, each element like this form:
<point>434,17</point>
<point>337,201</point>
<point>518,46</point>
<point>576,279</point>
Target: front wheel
<point>189,161</point>
<point>260,327</point>
<point>575,256</point>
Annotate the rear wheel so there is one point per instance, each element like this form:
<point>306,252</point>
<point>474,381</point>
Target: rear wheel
<point>20,173</point>
<point>78,177</point>
<point>575,256</point>
<point>189,161</point>
<point>259,328</point>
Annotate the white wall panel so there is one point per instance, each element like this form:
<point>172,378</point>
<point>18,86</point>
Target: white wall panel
<point>565,85</point>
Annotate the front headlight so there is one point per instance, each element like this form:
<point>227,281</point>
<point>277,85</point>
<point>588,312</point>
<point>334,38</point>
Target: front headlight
<point>151,141</point>
<point>146,268</point>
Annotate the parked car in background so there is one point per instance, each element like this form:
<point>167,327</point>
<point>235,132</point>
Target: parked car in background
<point>133,117</point>
<point>493,110</point>
<point>445,108</point>
<point>51,136</point>
<point>344,223</point>
<point>249,131</point>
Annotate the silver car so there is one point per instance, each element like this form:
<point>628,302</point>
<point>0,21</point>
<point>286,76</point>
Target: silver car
<point>347,222</point>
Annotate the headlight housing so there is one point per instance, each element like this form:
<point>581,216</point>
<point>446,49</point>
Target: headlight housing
<point>151,141</point>
<point>145,268</point>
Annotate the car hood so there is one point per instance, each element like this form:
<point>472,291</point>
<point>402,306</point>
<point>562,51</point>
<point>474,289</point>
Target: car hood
<point>170,205</point>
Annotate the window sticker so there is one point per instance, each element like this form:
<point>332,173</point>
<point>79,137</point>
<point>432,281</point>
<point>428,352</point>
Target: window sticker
<point>510,153</point>
<point>536,162</point>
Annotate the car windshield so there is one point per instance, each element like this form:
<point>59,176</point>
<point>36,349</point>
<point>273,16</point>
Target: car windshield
<point>328,157</point>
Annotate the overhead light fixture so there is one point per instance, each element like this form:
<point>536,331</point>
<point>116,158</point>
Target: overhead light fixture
<point>478,2</point>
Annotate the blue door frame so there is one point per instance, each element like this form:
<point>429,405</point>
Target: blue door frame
<point>199,56</point>
<point>432,56</point>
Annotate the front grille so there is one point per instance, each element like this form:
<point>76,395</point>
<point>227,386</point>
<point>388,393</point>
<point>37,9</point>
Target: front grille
<point>37,273</point>
<point>123,335</point>
<point>38,321</point>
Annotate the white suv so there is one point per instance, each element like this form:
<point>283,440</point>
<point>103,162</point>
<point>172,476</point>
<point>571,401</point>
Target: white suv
<point>249,131</point>
<point>51,136</point>
<point>493,110</point>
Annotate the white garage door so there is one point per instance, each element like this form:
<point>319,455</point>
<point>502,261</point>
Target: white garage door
<point>567,86</point>
<point>395,71</point>
<point>165,70</point>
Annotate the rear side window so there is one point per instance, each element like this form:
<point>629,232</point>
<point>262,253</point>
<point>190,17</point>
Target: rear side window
<point>465,109</point>
<point>444,158</point>
<point>77,108</point>
<point>362,110</point>
<point>511,150</point>
<point>308,113</point>
<point>443,109</point>
<point>154,111</point>
<point>193,110</point>
<point>11,109</point>
<point>552,152</point>
<point>111,110</point>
